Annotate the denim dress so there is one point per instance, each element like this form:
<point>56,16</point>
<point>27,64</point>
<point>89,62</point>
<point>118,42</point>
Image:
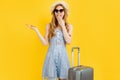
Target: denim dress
<point>56,63</point>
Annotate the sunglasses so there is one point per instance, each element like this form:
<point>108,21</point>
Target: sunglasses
<point>56,10</point>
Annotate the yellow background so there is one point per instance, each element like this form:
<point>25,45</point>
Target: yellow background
<point>95,30</point>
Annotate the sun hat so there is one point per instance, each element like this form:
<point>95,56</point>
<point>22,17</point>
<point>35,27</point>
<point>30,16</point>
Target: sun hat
<point>59,2</point>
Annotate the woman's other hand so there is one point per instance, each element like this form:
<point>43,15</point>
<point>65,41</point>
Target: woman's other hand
<point>31,26</point>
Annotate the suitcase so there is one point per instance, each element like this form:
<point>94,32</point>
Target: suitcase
<point>79,72</point>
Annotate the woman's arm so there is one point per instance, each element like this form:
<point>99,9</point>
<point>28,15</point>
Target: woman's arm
<point>67,35</point>
<point>43,39</point>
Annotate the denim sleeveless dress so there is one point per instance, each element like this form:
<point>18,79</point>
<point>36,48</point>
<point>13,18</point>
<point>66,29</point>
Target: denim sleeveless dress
<point>56,63</point>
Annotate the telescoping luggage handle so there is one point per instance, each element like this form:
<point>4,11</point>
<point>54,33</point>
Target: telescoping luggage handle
<point>73,55</point>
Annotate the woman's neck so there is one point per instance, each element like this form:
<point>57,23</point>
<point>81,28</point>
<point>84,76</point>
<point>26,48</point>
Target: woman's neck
<point>58,27</point>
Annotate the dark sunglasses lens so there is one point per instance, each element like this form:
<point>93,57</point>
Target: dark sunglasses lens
<point>56,10</point>
<point>61,10</point>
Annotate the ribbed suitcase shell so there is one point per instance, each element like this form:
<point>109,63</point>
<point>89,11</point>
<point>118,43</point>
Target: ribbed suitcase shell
<point>80,72</point>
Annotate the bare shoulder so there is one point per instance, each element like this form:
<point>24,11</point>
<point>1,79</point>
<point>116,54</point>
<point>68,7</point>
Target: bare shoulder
<point>47,26</point>
<point>70,26</point>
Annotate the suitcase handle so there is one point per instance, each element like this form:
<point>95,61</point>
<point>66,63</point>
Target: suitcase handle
<point>73,55</point>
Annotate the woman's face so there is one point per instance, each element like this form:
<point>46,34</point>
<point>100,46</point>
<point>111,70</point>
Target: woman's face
<point>59,11</point>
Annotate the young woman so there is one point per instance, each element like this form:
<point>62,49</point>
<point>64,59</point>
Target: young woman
<point>58,34</point>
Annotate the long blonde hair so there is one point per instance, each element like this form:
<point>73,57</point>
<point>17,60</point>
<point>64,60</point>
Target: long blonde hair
<point>54,22</point>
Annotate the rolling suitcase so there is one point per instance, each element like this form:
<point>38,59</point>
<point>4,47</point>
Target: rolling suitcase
<point>79,72</point>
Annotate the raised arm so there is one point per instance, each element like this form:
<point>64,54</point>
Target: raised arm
<point>68,35</point>
<point>43,39</point>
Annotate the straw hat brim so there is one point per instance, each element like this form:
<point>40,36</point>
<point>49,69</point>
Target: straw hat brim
<point>59,2</point>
